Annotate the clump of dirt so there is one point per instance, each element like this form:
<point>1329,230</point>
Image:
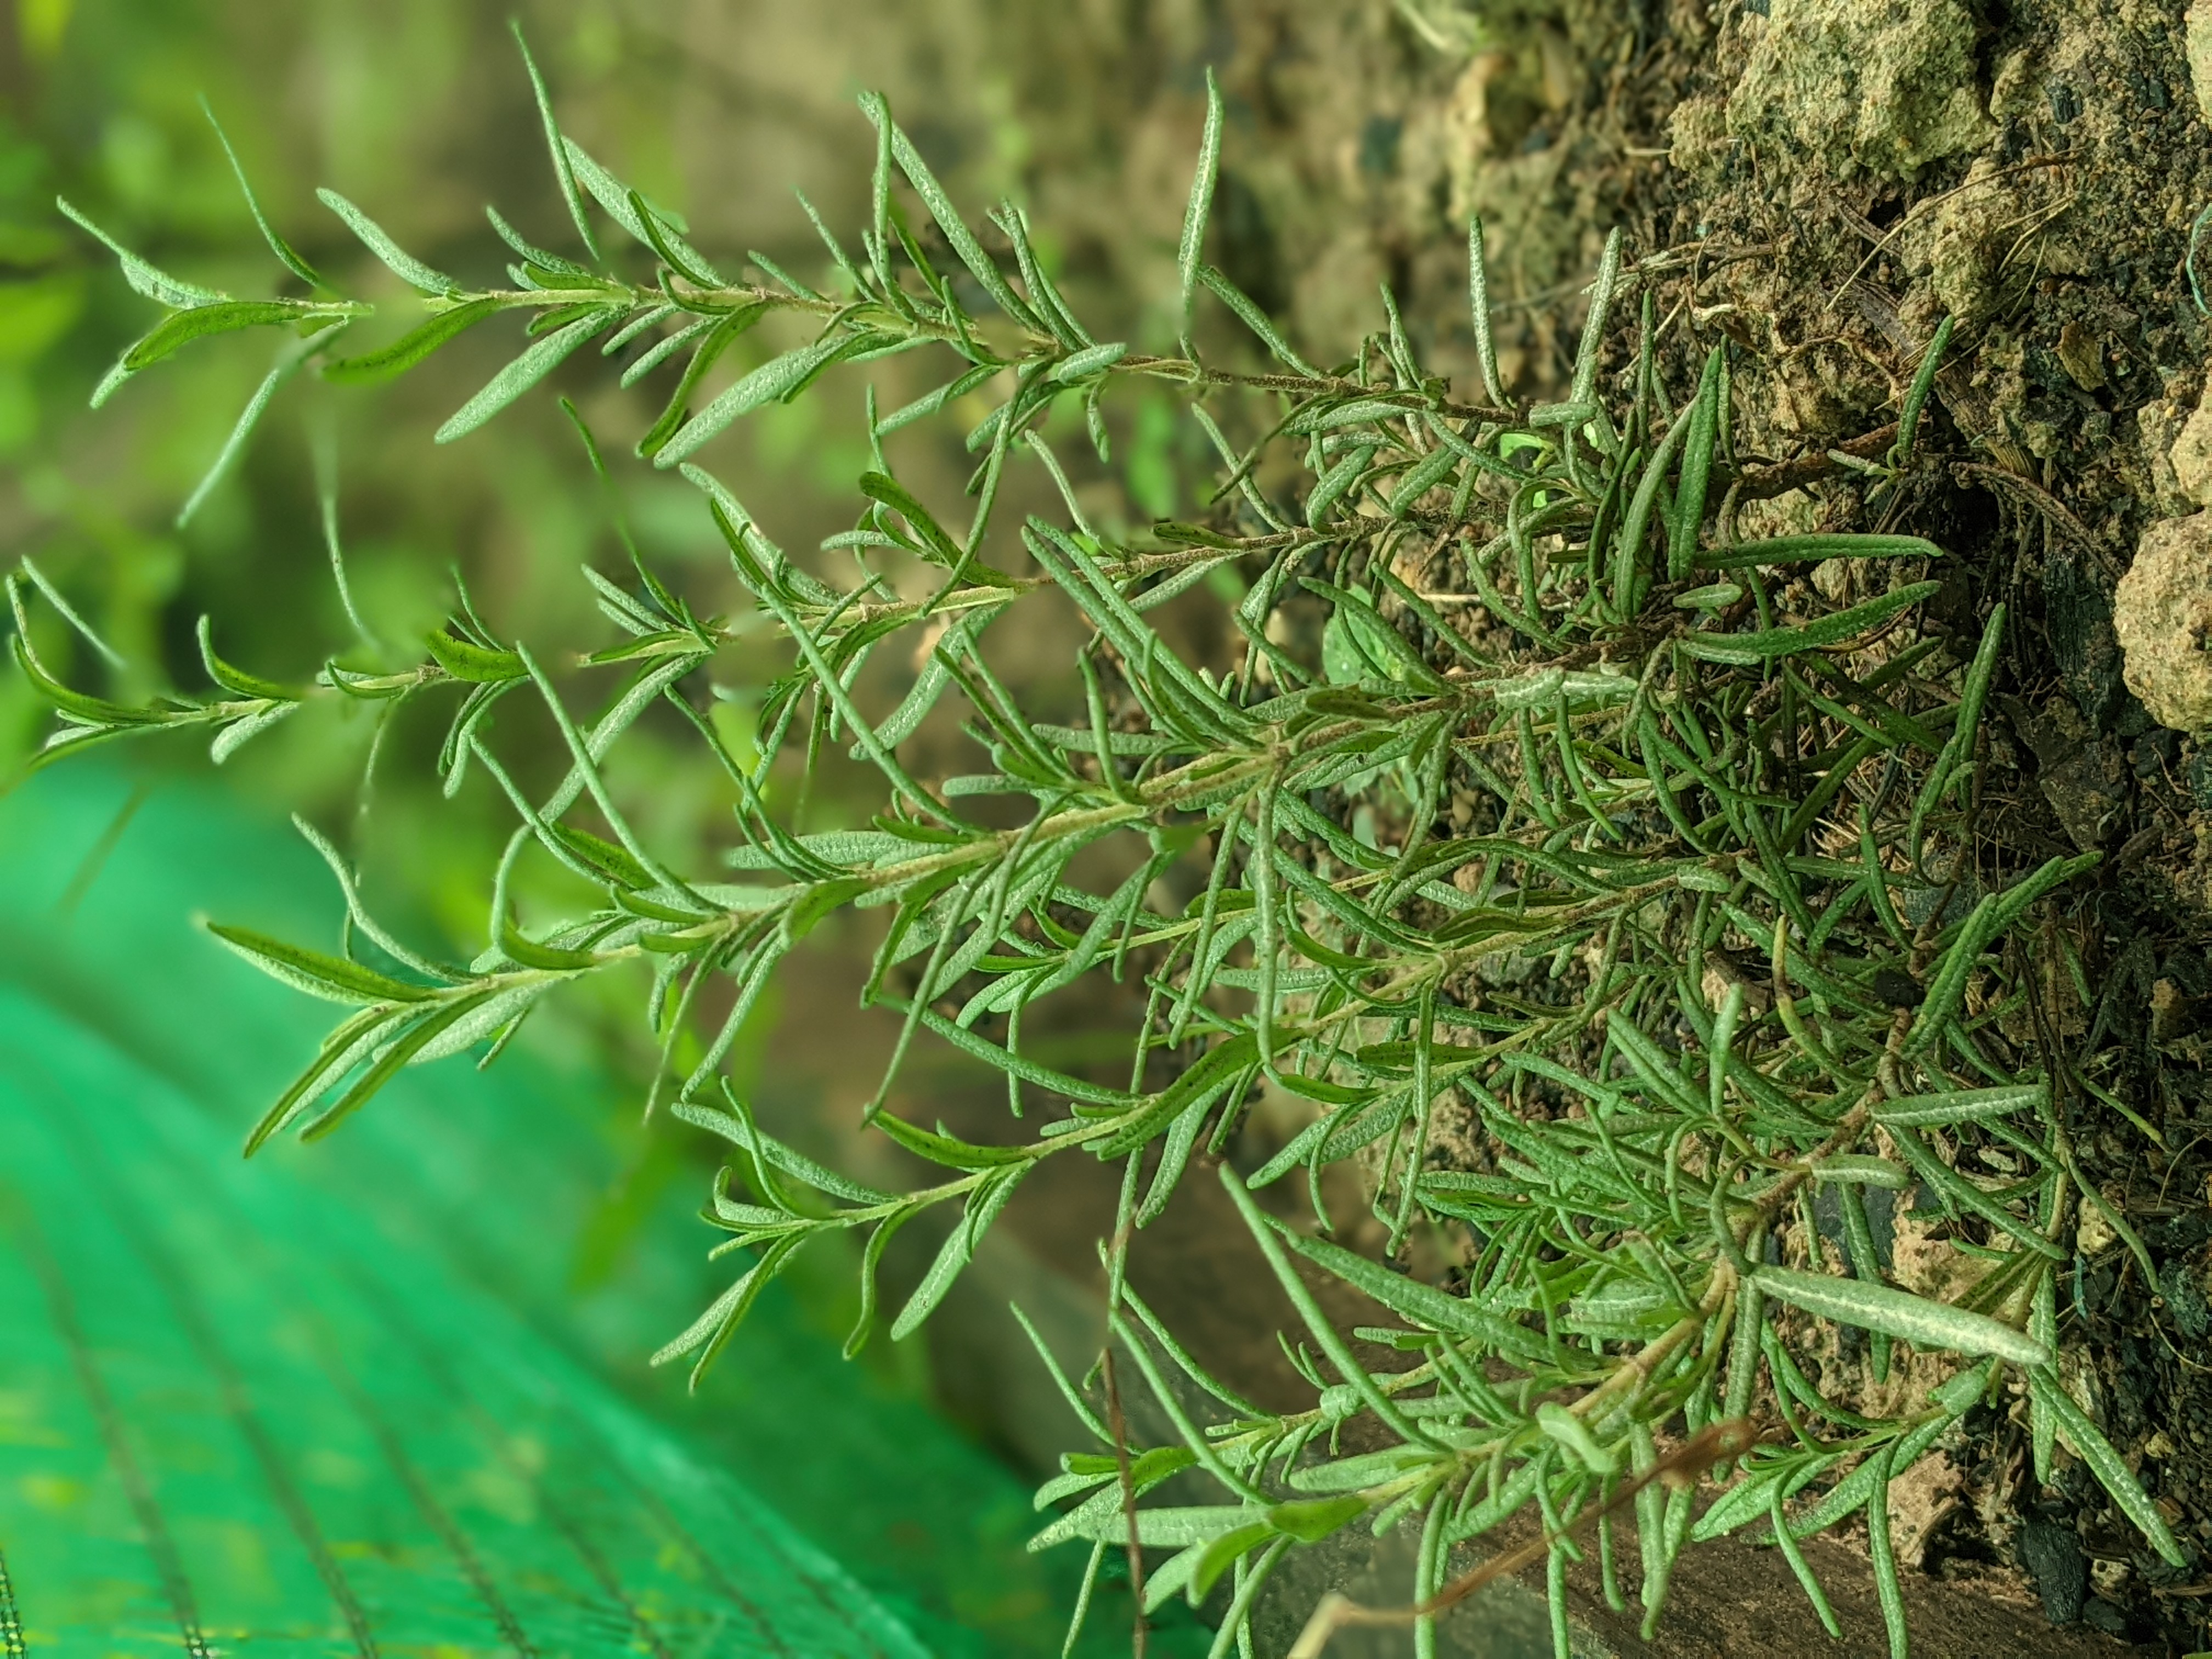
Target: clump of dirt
<point>2162,611</point>
<point>1862,85</point>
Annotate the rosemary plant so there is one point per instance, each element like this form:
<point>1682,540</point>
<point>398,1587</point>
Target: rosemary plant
<point>1660,898</point>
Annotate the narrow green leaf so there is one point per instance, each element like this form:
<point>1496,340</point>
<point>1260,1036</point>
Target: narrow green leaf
<point>1222,1554</point>
<point>529,953</point>
<point>237,681</point>
<point>1571,1433</point>
<point>1750,1498</point>
<point>1309,1520</point>
<point>402,264</point>
<point>1593,336</point>
<point>548,262</point>
<point>1419,479</point>
<point>1887,1591</point>
<point>774,379</point>
<point>76,705</point>
<point>1965,729</point>
<point>1962,1105</point>
<point>1787,1539</point>
<point>1749,650</point>
<point>1856,1170</point>
<point>1266,1232</point>
<point>943,1149</point>
<point>1916,398</point>
<point>332,978</point>
<point>2111,1472</point>
<point>1103,1517</point>
<point>970,251</point>
<point>1877,1307</point>
<point>2042,1426</point>
<point>998,1059</point>
<point>792,1162</point>
<point>1812,549</point>
<point>1949,989</point>
<point>277,246</point>
<point>1193,245</point>
<point>722,334</point>
<point>411,347</point>
<point>1629,579</point>
<point>881,487</point>
<point>68,612</point>
<point>472,663</point>
<point>958,1249</point>
<point>1697,471</point>
<point>240,431</point>
<point>1255,319</point>
<point>722,1314</point>
<point>1478,301</point>
<point>673,251</point>
<point>539,360</point>
<point>556,146</point>
<point>342,1050</point>
<point>1092,360</point>
<point>148,280</point>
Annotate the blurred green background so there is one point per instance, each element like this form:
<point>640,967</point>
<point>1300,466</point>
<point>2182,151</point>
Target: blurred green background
<point>419,111</point>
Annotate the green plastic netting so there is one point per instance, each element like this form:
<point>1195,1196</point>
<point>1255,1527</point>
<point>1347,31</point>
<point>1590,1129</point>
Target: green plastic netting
<point>385,1395</point>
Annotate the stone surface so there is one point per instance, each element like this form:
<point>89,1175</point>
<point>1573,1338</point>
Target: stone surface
<point>2162,612</point>
<point>1867,84</point>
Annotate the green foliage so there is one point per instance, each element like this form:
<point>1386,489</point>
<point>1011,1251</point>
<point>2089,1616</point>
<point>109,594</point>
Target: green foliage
<point>1648,886</point>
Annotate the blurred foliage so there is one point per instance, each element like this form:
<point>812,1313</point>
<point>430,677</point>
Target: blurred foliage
<point>409,107</point>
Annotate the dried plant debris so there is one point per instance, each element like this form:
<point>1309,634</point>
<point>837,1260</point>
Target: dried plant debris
<point>1644,896</point>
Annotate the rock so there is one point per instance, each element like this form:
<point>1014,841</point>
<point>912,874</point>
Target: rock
<point>2093,1233</point>
<point>2054,1558</point>
<point>2158,429</point>
<point>1697,136</point>
<point>1968,235</point>
<point>2081,354</point>
<point>2163,611</point>
<point>1865,84</point>
<point>2196,42</point>
<point>2185,1300</point>
<point>2172,1011</point>
<point>2191,454</point>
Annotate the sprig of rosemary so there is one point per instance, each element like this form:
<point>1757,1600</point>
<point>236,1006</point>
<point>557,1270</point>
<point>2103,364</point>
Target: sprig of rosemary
<point>1593,832</point>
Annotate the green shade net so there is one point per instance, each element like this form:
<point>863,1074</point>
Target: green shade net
<point>350,1399</point>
